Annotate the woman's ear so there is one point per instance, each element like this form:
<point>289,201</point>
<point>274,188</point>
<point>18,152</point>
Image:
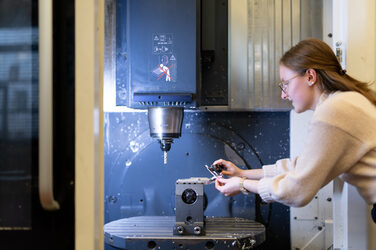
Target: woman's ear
<point>312,75</point>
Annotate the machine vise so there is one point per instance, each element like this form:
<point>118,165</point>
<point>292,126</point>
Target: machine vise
<point>189,203</point>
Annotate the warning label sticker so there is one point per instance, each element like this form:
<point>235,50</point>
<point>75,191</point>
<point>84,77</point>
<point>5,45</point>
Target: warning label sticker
<point>165,69</point>
<point>164,65</point>
<point>163,44</point>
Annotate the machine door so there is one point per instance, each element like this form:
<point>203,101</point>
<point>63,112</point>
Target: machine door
<point>36,202</point>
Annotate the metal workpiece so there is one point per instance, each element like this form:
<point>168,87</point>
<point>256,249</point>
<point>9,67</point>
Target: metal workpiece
<point>192,180</point>
<point>189,203</point>
<point>155,232</point>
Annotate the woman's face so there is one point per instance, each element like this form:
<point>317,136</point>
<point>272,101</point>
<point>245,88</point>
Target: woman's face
<point>297,89</point>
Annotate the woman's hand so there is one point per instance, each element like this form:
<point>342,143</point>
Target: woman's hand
<point>229,168</point>
<point>228,187</point>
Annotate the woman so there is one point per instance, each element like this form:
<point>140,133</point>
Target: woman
<point>342,133</point>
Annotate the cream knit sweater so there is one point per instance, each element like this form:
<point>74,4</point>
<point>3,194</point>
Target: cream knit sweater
<point>341,142</point>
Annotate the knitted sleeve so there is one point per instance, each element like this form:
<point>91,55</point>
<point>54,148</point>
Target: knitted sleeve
<point>329,152</point>
<point>280,167</point>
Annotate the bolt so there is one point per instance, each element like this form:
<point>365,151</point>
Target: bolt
<point>180,229</point>
<point>319,228</point>
<point>197,230</point>
<point>329,199</point>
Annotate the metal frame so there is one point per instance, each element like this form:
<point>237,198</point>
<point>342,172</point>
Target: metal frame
<point>46,195</point>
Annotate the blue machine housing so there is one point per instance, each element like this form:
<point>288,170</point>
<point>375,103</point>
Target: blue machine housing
<point>158,53</point>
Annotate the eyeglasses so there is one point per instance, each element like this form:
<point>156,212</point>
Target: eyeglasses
<point>284,84</point>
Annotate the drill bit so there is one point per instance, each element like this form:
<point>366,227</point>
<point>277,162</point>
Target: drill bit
<point>165,157</point>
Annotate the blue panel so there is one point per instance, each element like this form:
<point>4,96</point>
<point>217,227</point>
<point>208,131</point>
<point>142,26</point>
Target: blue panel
<point>159,50</point>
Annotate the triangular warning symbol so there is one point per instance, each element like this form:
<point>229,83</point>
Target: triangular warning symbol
<point>156,38</point>
<point>172,57</point>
